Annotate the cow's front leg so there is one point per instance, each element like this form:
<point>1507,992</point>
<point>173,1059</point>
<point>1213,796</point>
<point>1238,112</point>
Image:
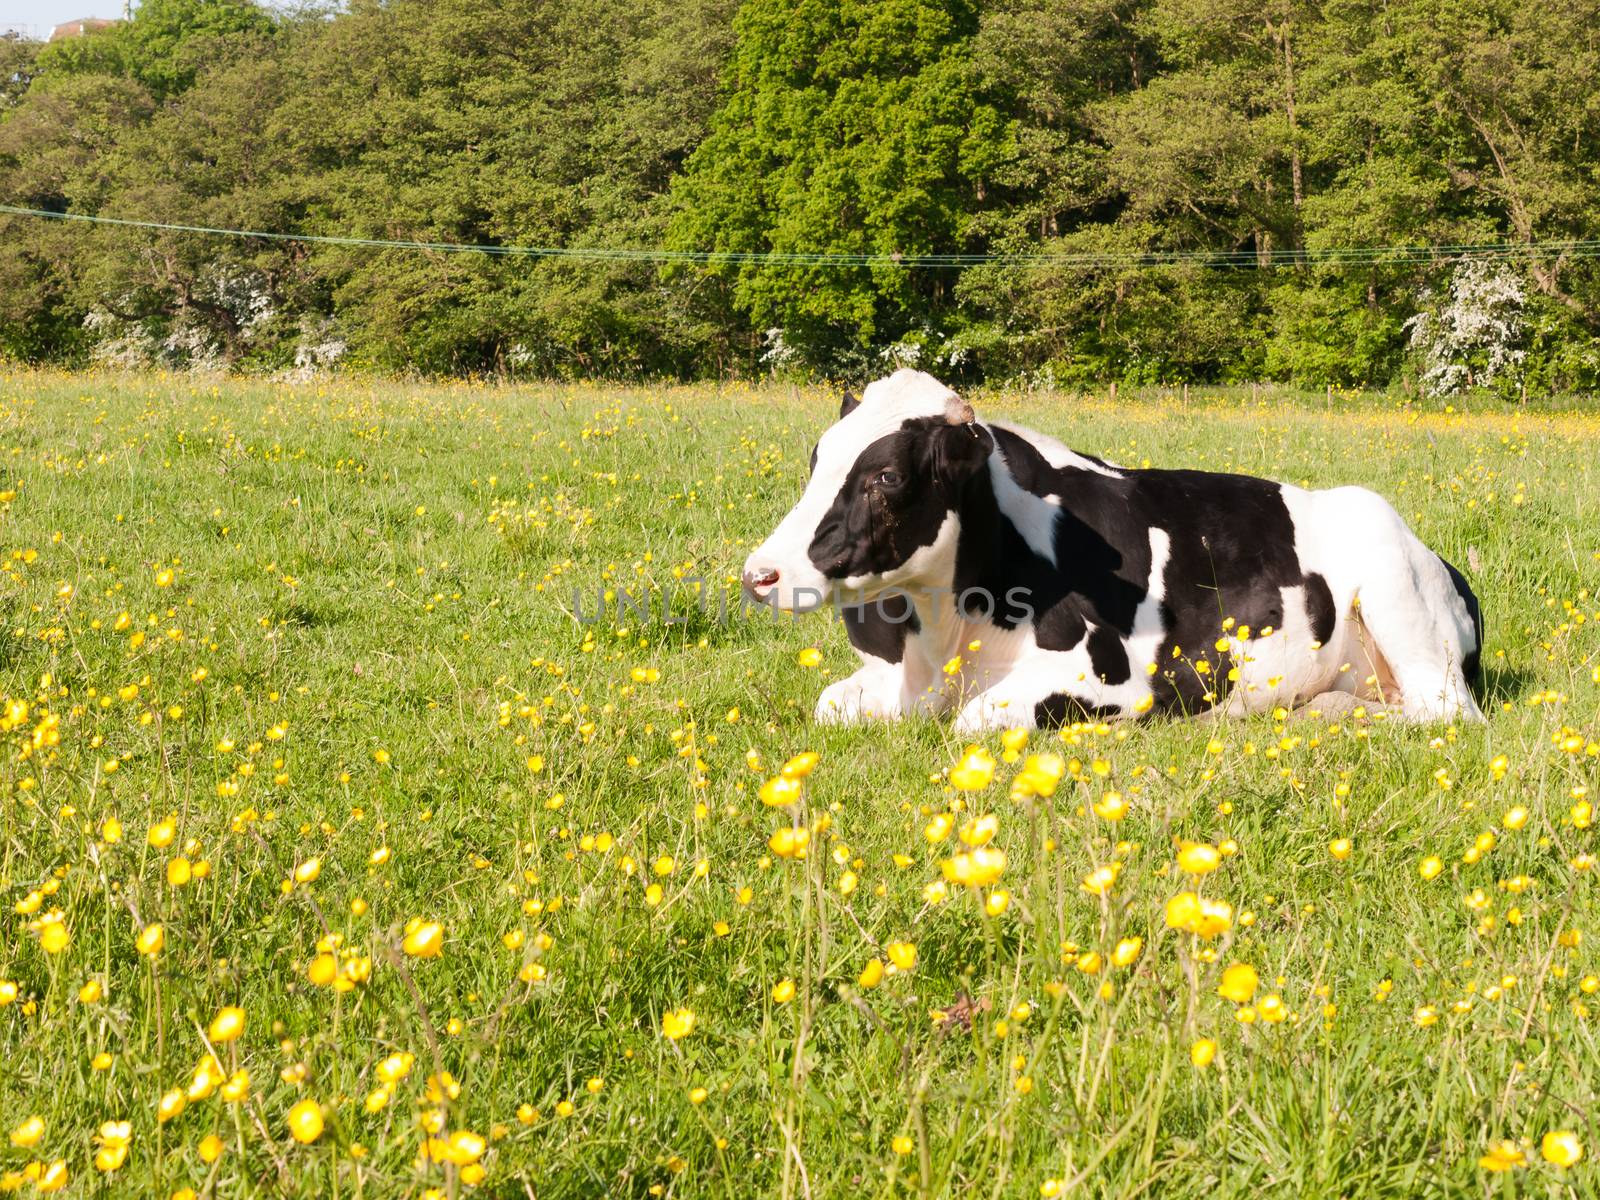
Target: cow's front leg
<point>872,694</point>
<point>1011,703</point>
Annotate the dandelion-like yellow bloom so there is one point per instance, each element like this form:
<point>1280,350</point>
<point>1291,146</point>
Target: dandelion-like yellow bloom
<point>1430,867</point>
<point>53,934</point>
<point>1340,848</point>
<point>1561,1147</point>
<point>305,1122</point>
<point>800,765</point>
<point>227,1025</point>
<point>152,938</point>
<point>423,939</point>
<point>29,1133</point>
<point>677,1023</point>
<point>783,991</point>
<point>780,791</point>
<point>1503,1156</point>
<point>810,657</point>
<point>980,831</point>
<point>1198,858</point>
<point>1203,1052</point>
<point>113,1141</point>
<point>52,1178</point>
<point>171,1105</point>
<point>976,869</point>
<point>1111,807</point>
<point>1239,983</point>
<point>974,770</point>
<point>789,842</point>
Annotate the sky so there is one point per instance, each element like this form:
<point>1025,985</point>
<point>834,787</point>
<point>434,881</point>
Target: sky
<point>41,15</point>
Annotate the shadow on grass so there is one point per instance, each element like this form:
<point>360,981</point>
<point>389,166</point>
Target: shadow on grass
<point>1500,683</point>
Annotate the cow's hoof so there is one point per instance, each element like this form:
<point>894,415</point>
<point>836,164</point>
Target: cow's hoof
<point>983,714</point>
<point>850,702</point>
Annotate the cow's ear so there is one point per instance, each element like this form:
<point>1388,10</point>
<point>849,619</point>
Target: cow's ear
<point>848,404</point>
<point>959,453</point>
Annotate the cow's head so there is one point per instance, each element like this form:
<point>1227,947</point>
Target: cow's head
<point>880,509</point>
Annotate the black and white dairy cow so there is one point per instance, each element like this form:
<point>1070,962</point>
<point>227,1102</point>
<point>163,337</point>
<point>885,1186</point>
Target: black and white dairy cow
<point>989,570</point>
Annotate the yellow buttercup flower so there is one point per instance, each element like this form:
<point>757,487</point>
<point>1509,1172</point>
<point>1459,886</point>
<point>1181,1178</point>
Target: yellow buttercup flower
<point>305,1122</point>
<point>29,1133</point>
<point>902,954</point>
<point>980,831</point>
<point>1101,880</point>
<point>227,1025</point>
<point>800,765</point>
<point>976,869</point>
<point>150,941</point>
<point>1503,1156</point>
<point>871,974</point>
<point>1203,1052</point>
<point>973,772</point>
<point>423,939</point>
<point>1198,858</point>
<point>780,791</point>
<point>1111,807</point>
<point>783,991</point>
<point>1561,1147</point>
<point>789,842</point>
<point>1239,983</point>
<point>677,1023</point>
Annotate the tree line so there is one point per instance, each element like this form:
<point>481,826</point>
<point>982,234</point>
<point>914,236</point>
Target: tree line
<point>1149,190</point>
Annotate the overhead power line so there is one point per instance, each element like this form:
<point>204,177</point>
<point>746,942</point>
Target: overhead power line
<point>1329,256</point>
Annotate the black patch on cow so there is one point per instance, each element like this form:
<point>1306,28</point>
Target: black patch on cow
<point>1108,655</point>
<point>848,404</point>
<point>896,496</point>
<point>880,628</point>
<point>1231,554</point>
<point>1470,663</point>
<point>1319,607</point>
<point>1063,708</point>
<point>1106,582</point>
<point>812,469</point>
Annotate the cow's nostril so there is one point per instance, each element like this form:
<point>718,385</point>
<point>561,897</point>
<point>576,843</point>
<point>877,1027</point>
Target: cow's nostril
<point>761,578</point>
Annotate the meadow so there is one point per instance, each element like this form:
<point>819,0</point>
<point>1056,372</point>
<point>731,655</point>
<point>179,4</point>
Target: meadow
<point>358,841</point>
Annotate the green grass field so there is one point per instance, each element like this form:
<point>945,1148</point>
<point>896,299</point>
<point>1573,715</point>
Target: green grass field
<point>291,669</point>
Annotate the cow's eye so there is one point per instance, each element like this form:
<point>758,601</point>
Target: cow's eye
<point>888,479</point>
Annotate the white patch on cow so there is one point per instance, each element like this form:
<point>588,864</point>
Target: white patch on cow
<point>1033,516</point>
<point>1398,617</point>
<point>1057,453</point>
<point>886,405</point>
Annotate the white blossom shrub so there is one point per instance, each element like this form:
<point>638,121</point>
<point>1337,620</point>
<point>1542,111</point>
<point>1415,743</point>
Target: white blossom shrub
<point>1473,335</point>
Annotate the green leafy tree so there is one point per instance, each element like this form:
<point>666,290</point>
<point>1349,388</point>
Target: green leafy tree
<point>848,128</point>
